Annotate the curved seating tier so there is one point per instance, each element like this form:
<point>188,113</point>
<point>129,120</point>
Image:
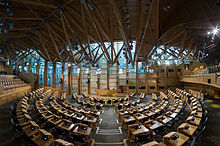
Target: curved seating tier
<point>42,117</point>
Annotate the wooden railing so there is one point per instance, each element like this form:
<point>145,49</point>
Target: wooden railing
<point>212,79</point>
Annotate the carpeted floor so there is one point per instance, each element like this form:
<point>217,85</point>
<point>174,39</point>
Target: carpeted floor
<point>211,136</point>
<point>8,136</point>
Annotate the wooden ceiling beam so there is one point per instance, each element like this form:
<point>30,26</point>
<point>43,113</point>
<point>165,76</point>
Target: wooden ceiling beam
<point>22,18</point>
<point>183,43</point>
<point>111,38</point>
<point>36,3</point>
<point>85,28</point>
<point>94,22</point>
<point>139,27</point>
<point>122,26</point>
<point>67,38</point>
<point>53,41</point>
<point>44,47</point>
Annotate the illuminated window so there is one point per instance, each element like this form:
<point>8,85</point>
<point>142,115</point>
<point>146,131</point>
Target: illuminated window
<point>151,70</point>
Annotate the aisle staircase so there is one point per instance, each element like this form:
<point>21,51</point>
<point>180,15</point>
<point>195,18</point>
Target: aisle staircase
<point>103,131</point>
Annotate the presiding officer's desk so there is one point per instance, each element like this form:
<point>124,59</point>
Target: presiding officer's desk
<point>106,92</point>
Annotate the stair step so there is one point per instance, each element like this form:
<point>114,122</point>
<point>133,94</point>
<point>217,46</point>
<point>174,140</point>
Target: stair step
<point>108,131</point>
<point>109,144</point>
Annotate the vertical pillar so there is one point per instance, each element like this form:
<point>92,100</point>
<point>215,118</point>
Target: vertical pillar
<point>137,78</point>
<point>45,73</point>
<point>23,64</point>
<point>93,80</point>
<point>147,83</point>
<point>62,76</point>
<point>98,80</point>
<point>127,76</point>
<point>54,74</point>
<point>117,75</point>
<point>88,83</point>
<point>30,65</point>
<point>37,71</point>
<point>79,80</point>
<point>157,78</point>
<point>166,78</point>
<point>108,66</point>
<point>69,78</point>
<point>16,67</point>
<point>10,63</point>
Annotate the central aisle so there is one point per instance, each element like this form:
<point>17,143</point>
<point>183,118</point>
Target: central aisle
<point>108,129</point>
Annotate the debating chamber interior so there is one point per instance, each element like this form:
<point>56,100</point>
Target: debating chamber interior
<point>109,72</point>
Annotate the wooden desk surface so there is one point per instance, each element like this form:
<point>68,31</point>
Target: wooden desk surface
<point>43,110</point>
<point>25,120</point>
<point>38,139</point>
<point>173,115</point>
<point>177,110</point>
<point>79,117</point>
<point>128,119</point>
<point>47,115</point>
<point>61,142</point>
<point>145,107</point>
<point>188,131</point>
<point>152,143</point>
<point>81,131</point>
<point>55,120</point>
<point>141,130</point>
<point>139,109</point>
<point>153,124</point>
<point>91,120</point>
<point>139,116</point>
<point>31,129</point>
<point>196,114</point>
<point>164,119</point>
<point>68,126</point>
<point>167,139</point>
<point>57,107</point>
<point>196,120</point>
<point>149,113</point>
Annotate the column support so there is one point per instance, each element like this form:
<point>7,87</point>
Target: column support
<point>127,75</point>
<point>30,65</point>
<point>37,71</point>
<point>23,64</point>
<point>79,80</point>
<point>54,74</point>
<point>45,73</point>
<point>62,76</point>
<point>137,77</point>
<point>69,79</point>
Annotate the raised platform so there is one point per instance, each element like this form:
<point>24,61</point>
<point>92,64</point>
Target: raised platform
<point>106,92</point>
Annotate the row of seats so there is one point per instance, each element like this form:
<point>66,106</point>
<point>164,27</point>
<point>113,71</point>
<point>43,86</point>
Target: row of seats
<point>154,97</point>
<point>189,131</point>
<point>141,122</point>
<point>76,122</point>
<point>199,94</point>
<point>155,123</point>
<point>27,128</point>
<point>142,96</point>
<point>9,82</point>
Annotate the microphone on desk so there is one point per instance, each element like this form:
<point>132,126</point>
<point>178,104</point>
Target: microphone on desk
<point>175,137</point>
<point>186,127</point>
